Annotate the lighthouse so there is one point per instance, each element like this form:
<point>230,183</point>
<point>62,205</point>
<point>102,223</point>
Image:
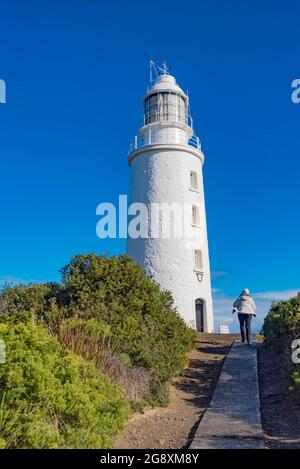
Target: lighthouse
<point>166,178</point>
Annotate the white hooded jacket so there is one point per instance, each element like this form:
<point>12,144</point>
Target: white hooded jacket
<point>245,304</point>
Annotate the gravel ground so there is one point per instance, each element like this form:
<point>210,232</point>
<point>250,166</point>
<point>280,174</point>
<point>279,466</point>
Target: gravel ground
<point>280,413</point>
<point>173,426</point>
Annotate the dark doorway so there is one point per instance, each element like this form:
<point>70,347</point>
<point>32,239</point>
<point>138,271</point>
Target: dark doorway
<point>199,305</point>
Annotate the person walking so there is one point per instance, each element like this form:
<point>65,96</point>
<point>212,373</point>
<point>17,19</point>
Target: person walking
<point>245,307</point>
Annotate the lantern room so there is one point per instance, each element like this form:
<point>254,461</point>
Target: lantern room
<point>165,102</point>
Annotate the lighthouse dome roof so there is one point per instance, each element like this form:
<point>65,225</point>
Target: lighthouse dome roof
<point>166,83</point>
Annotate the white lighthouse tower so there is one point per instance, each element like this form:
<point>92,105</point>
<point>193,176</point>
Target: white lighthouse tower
<point>166,171</point>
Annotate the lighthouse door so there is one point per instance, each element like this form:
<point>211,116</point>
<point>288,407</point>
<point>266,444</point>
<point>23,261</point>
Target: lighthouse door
<point>199,305</point>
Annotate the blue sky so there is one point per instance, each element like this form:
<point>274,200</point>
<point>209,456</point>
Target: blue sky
<point>75,74</point>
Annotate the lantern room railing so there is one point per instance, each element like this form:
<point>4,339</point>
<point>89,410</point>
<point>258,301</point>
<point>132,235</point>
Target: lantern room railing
<point>154,139</point>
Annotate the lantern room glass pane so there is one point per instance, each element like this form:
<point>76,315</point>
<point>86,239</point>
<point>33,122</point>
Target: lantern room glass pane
<point>165,106</point>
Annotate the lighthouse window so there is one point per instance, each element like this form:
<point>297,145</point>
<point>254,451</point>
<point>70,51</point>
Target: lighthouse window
<point>151,109</point>
<point>165,106</point>
<point>198,261</point>
<point>193,181</point>
<point>195,215</point>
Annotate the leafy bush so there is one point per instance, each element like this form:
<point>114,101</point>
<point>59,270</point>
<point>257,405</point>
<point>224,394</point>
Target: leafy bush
<point>23,302</point>
<point>92,339</point>
<point>89,338</point>
<point>50,397</point>
<point>142,319</point>
<point>108,309</point>
<point>31,303</point>
<point>282,324</point>
<point>280,328</point>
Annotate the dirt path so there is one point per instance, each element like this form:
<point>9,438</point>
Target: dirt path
<point>173,426</point>
<point>280,413</point>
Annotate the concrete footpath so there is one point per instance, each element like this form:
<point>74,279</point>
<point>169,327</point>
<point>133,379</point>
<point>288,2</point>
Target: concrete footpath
<point>232,421</point>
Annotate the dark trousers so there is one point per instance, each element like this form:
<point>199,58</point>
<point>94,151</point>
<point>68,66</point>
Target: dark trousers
<point>245,323</point>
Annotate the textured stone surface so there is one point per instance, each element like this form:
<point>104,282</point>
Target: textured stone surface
<point>229,443</point>
<point>163,177</point>
<point>160,174</point>
<point>233,417</point>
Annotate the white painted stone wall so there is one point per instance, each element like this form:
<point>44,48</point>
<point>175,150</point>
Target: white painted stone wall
<point>160,173</point>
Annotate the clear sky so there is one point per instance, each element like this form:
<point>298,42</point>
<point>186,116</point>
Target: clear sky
<point>76,71</point>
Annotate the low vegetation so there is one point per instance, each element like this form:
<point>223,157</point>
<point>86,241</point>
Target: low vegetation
<point>83,353</point>
<point>281,327</point>
<point>51,397</point>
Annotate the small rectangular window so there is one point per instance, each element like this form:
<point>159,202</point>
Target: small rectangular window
<point>195,215</point>
<point>193,181</point>
<point>198,262</point>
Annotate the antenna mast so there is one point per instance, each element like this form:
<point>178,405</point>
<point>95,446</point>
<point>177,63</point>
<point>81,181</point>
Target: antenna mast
<point>156,70</point>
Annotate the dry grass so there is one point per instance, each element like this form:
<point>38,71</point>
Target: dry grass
<point>133,379</point>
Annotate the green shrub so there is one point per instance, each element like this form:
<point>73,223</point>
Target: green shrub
<point>50,397</point>
<point>27,303</point>
<point>282,324</point>
<point>92,340</point>
<point>89,338</point>
<point>280,328</point>
<point>143,321</point>
<point>108,306</point>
